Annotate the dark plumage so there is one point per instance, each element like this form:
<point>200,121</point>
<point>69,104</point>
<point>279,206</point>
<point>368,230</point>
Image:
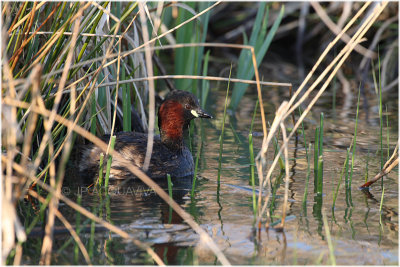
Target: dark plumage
<point>170,154</point>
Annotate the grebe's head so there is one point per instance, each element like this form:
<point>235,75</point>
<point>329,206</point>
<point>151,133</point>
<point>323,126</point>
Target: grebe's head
<point>176,112</point>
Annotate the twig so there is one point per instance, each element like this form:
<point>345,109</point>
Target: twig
<point>389,165</point>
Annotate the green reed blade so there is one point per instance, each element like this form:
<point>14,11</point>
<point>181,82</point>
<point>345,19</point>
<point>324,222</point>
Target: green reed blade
<point>321,135</point>
<point>237,138</point>
<point>308,160</point>
<point>366,167</point>
<point>354,139</point>
<point>277,183</point>
<point>252,161</point>
<point>78,228</point>
<point>92,30</point>
<point>91,238</point>
<point>170,195</point>
<point>221,137</point>
<point>254,117</point>
<point>380,110</point>
<point>205,84</point>
<point>245,68</point>
<point>253,184</point>
<point>277,148</point>
<point>169,185</point>
<point>341,176</point>
<point>196,167</point>
<point>387,132</point>
<point>316,155</point>
<point>329,239</point>
<point>126,104</point>
<point>308,174</point>
<point>380,206</point>
<point>109,161</point>
<point>93,114</point>
<point>320,175</point>
<point>101,169</point>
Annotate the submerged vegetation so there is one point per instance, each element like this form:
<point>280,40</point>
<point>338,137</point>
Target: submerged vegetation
<point>73,71</point>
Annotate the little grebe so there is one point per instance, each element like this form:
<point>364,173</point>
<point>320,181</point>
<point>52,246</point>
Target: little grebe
<point>170,154</point>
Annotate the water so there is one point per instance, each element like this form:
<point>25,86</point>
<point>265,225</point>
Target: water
<point>226,212</point>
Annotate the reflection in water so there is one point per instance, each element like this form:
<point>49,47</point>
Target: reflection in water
<point>226,212</point>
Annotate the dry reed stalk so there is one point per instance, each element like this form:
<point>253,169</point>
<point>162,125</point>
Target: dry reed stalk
<point>336,30</point>
<point>376,39</point>
<point>280,113</point>
<point>26,16</point>
<point>70,33</point>
<point>285,147</point>
<point>152,104</point>
<point>135,170</point>
<point>124,54</point>
<point>18,255</point>
<point>116,98</point>
<point>136,50</point>
<point>194,77</point>
<point>53,205</point>
<point>345,52</point>
<point>10,226</point>
<point>389,165</point>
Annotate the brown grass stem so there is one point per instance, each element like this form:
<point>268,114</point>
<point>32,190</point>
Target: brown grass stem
<point>285,147</point>
<point>389,165</point>
<point>149,68</point>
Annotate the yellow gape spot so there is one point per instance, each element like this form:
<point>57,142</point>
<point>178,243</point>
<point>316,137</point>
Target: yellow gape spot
<point>194,113</point>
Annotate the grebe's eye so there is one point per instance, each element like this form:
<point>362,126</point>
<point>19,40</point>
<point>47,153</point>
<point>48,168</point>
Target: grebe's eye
<point>187,106</point>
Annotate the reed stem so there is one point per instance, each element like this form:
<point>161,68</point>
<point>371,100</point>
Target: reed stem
<point>109,161</point>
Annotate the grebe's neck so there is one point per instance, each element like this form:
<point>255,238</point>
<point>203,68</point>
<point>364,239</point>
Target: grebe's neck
<point>171,122</point>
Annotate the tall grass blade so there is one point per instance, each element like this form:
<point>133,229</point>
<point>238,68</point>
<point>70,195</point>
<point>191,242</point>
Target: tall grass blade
<point>126,104</point>
<point>380,111</point>
<point>78,229</point>
<point>221,137</point>
<point>196,169</point>
<point>252,162</point>
<point>366,167</point>
<point>109,161</point>
<point>329,239</point>
<point>387,132</point>
<point>380,207</point>
<point>205,85</point>
<point>170,195</point>
<point>101,169</point>
<point>261,45</point>
<point>252,177</point>
<point>316,156</point>
<point>341,177</point>
<point>320,178</point>
<point>354,140</point>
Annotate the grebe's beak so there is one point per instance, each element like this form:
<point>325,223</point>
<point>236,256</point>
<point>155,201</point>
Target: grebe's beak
<point>199,113</point>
